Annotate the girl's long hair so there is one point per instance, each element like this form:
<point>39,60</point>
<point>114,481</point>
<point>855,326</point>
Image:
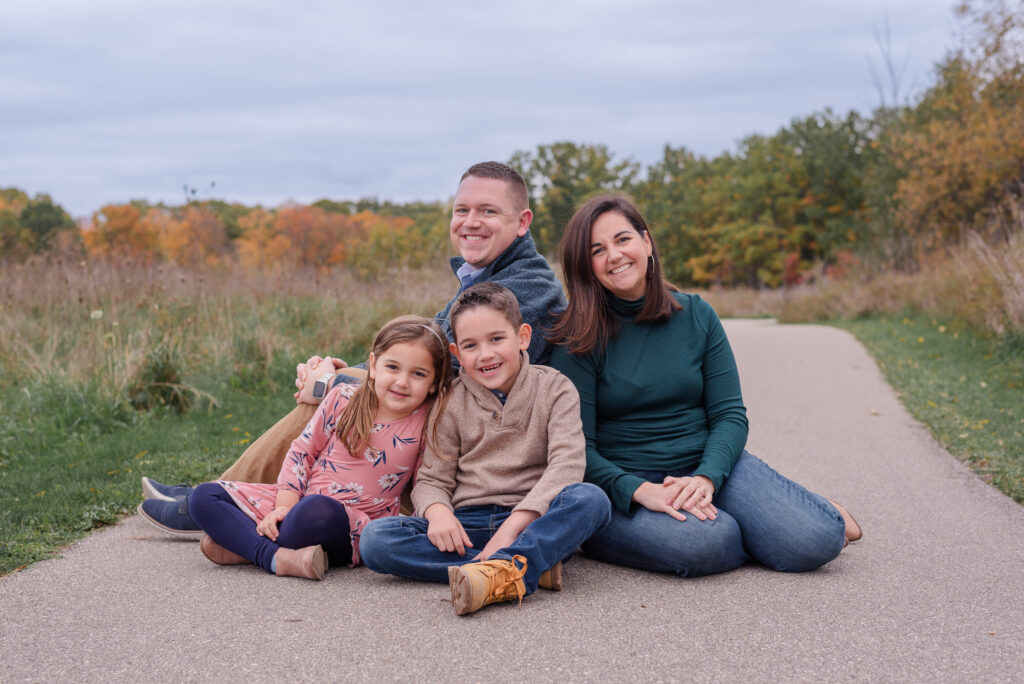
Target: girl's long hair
<point>355,424</point>
<point>588,322</point>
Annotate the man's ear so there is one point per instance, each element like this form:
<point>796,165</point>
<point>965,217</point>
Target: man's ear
<point>525,217</point>
<point>525,333</point>
<point>454,350</point>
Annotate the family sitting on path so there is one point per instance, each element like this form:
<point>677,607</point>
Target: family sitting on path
<point>631,445</point>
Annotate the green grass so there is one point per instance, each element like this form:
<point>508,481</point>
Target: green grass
<point>70,463</point>
<point>968,390</point>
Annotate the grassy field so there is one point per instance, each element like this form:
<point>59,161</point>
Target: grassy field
<point>71,464</point>
<point>85,349</point>
<point>968,389</point>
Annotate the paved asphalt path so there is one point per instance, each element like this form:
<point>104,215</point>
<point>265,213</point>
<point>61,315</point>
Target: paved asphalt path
<point>934,591</point>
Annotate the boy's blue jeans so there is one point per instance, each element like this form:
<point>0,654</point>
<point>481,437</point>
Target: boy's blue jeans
<point>762,516</point>
<point>399,546</point>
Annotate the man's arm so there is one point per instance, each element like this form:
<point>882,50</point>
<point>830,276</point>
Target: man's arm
<point>316,368</point>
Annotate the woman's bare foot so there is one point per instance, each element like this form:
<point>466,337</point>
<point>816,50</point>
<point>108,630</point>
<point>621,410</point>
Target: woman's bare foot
<point>853,531</point>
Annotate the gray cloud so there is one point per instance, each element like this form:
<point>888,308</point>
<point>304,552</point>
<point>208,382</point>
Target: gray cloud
<point>112,100</point>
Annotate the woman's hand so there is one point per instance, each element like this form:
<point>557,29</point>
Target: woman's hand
<point>307,373</point>
<point>445,531</point>
<point>268,526</point>
<point>693,494</point>
<point>653,497</point>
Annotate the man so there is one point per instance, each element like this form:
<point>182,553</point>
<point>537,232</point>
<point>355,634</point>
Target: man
<point>490,229</point>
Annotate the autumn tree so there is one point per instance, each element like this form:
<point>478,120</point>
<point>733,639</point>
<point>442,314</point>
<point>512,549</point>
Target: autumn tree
<point>561,176</point>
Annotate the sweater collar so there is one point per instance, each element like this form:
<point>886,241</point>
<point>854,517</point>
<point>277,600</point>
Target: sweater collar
<point>624,307</point>
<point>521,248</point>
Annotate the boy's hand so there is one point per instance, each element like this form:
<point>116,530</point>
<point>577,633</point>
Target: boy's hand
<point>693,494</point>
<point>268,526</point>
<point>445,531</point>
<point>508,532</point>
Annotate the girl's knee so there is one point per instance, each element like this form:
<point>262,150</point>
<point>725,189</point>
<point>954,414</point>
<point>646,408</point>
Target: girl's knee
<point>203,498</point>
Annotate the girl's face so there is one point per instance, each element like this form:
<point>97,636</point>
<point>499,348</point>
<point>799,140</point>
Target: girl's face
<point>402,377</point>
<point>618,256</point>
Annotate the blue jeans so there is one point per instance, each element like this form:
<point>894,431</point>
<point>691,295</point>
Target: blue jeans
<point>762,516</point>
<point>399,546</point>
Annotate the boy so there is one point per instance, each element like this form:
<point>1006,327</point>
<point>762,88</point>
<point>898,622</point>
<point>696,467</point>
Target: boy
<point>501,472</point>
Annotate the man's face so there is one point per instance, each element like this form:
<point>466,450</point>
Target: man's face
<point>484,220</point>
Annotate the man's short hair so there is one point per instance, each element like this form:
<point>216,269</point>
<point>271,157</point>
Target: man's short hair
<point>489,294</point>
<point>517,190</point>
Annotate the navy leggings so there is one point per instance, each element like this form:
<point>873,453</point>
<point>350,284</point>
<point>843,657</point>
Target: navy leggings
<point>315,519</point>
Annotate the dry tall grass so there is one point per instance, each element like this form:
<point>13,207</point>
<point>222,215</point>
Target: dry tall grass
<point>978,285</point>
<point>98,323</point>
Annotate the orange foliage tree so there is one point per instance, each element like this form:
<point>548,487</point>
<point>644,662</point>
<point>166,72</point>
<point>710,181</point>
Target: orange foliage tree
<point>117,231</point>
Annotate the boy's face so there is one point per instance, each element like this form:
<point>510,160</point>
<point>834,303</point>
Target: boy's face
<point>485,221</point>
<point>488,347</point>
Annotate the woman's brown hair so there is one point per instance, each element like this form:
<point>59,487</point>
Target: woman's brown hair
<point>355,424</point>
<point>588,322</point>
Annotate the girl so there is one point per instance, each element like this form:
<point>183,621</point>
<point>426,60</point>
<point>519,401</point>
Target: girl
<point>349,465</point>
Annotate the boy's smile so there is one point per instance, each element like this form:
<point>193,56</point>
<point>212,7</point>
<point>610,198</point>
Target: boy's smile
<point>488,347</point>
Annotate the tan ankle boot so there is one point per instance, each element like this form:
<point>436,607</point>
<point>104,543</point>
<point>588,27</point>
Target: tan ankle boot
<point>552,578</point>
<point>310,562</point>
<point>218,554</point>
<point>475,585</point>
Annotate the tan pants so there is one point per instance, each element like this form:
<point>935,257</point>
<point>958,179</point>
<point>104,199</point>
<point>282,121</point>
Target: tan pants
<point>262,461</point>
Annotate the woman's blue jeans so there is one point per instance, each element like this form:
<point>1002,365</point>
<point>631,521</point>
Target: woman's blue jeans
<point>762,516</point>
<point>399,546</point>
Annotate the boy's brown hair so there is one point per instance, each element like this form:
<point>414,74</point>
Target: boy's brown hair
<point>489,294</point>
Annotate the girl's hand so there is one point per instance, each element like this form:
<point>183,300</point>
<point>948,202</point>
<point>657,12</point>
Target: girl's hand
<point>445,531</point>
<point>693,494</point>
<point>652,496</point>
<point>268,526</point>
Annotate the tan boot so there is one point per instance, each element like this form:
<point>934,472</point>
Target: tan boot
<point>218,554</point>
<point>310,562</point>
<point>475,585</point>
<point>552,578</point>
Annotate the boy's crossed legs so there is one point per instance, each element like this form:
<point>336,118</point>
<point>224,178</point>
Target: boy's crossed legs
<point>399,546</point>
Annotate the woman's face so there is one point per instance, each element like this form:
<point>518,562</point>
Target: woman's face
<point>618,255</point>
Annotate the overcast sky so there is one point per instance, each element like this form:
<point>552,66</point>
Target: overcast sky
<point>110,100</point>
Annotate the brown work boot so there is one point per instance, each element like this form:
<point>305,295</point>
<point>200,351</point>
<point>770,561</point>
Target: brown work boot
<point>552,578</point>
<point>475,585</point>
<point>310,562</point>
<point>218,554</point>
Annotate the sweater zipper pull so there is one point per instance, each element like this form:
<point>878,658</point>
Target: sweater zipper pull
<point>497,416</point>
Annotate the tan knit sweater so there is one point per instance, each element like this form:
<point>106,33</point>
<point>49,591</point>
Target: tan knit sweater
<point>520,455</point>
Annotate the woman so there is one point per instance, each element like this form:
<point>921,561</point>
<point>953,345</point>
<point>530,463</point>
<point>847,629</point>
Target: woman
<point>664,418</point>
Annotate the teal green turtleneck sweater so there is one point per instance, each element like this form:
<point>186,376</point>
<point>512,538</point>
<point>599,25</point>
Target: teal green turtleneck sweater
<point>661,396</point>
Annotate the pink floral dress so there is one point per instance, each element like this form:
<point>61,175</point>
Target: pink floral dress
<point>368,484</point>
